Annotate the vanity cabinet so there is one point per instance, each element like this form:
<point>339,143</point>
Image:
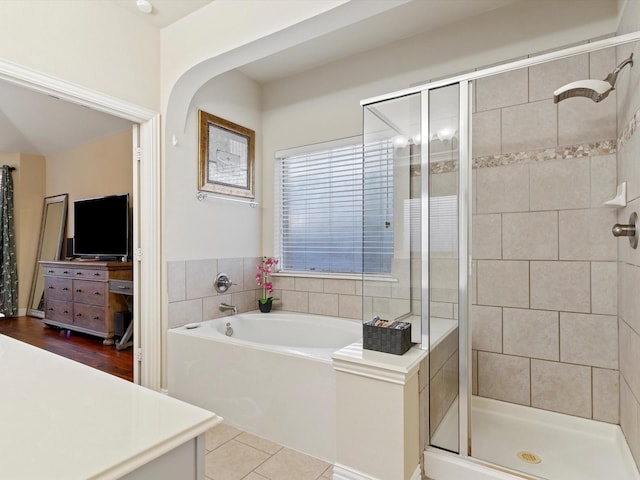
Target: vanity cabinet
<point>77,295</point>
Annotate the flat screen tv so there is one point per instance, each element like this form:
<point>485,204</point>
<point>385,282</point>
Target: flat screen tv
<point>101,227</point>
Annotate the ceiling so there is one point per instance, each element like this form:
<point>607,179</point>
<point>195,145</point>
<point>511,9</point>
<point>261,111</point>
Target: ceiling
<point>165,12</point>
<point>407,20</point>
<point>30,121</point>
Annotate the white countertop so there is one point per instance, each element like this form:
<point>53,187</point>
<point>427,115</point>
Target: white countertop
<point>63,420</point>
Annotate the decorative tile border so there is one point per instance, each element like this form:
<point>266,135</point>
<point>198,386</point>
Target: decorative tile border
<point>604,147</point>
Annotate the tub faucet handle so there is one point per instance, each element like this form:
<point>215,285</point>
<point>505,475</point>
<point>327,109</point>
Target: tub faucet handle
<point>222,283</point>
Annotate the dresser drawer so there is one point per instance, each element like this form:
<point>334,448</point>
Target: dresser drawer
<point>58,288</point>
<point>125,287</point>
<point>88,274</point>
<point>59,271</point>
<point>91,293</point>
<point>91,317</point>
<point>58,311</point>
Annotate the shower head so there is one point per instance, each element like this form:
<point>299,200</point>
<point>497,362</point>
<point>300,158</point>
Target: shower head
<point>596,90</point>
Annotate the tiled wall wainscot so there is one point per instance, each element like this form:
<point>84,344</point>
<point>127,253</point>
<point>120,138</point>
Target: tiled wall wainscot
<point>192,296</point>
<point>319,296</point>
<point>443,373</point>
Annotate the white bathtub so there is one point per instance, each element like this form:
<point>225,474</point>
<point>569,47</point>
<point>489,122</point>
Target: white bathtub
<point>272,378</point>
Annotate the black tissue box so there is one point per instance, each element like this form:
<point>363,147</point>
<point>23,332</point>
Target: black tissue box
<point>386,339</point>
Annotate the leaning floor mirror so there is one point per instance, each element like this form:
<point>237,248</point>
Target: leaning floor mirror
<point>52,234</point>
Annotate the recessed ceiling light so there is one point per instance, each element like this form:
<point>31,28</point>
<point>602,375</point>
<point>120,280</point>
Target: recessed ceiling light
<point>144,6</point>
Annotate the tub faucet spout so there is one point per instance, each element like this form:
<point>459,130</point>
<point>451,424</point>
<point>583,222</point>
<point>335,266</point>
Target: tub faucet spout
<point>225,306</point>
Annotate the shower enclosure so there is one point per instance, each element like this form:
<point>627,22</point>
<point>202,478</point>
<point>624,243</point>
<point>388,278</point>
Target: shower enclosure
<point>491,209</point>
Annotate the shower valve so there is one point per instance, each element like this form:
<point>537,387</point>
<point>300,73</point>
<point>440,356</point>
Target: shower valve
<point>630,230</point>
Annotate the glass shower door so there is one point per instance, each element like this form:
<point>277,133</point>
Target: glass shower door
<point>440,179</point>
<point>412,242</point>
<point>391,213</point>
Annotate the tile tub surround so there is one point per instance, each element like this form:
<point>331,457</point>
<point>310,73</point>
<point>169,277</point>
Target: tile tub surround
<point>443,378</point>
<point>192,297</point>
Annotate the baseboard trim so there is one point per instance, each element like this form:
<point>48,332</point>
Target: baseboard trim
<point>341,472</point>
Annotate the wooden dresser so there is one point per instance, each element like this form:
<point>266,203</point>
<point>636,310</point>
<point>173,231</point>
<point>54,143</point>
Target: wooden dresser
<point>77,295</point>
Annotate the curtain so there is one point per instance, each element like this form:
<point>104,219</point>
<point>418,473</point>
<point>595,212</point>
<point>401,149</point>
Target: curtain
<point>8,264</point>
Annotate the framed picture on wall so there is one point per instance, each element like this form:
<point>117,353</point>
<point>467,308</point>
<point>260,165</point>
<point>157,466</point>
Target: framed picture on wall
<point>226,157</point>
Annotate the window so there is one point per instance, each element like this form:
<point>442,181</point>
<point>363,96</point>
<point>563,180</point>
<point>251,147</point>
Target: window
<point>443,217</point>
<point>336,210</point>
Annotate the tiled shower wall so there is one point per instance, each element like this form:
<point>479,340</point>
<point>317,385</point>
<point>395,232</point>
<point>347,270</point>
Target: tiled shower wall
<point>628,92</point>
<point>192,297</point>
<point>544,324</point>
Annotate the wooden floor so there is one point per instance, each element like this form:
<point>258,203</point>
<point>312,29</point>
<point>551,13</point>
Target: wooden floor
<point>82,348</point>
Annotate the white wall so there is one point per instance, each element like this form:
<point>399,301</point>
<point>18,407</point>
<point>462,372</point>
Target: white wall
<point>213,228</point>
<point>94,44</point>
<point>201,47</point>
<point>324,103</point>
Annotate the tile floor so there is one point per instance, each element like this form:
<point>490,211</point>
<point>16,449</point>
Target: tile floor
<point>236,455</point>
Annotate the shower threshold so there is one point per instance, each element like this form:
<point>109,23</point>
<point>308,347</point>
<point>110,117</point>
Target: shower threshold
<point>538,443</point>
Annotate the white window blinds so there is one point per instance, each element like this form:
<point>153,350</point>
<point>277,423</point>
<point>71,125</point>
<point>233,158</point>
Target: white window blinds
<point>335,209</point>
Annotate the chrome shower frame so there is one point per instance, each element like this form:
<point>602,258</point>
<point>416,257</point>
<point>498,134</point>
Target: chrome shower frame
<point>464,210</point>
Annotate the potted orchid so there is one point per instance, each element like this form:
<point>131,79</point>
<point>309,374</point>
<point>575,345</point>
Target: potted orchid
<point>263,278</point>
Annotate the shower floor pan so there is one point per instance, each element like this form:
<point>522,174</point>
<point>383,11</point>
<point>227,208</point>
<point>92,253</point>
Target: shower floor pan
<point>539,443</point>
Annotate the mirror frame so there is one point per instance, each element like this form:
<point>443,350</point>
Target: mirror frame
<point>37,271</point>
